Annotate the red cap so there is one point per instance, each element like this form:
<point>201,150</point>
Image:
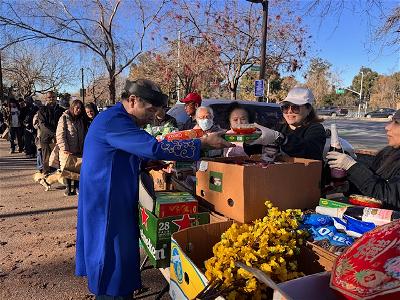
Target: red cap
<point>192,97</point>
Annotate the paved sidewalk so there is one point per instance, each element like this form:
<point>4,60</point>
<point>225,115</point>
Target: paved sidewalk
<point>37,238</point>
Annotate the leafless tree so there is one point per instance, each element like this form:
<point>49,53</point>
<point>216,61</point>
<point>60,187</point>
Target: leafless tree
<point>112,30</point>
<point>30,69</point>
<point>235,30</point>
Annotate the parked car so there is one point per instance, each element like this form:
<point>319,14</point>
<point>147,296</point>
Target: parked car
<point>266,114</point>
<point>381,113</point>
<point>332,111</point>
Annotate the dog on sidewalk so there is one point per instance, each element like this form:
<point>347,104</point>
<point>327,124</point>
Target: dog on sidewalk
<point>48,180</point>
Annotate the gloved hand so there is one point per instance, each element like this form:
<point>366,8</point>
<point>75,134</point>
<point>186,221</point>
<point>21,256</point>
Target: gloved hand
<point>340,160</point>
<point>268,136</point>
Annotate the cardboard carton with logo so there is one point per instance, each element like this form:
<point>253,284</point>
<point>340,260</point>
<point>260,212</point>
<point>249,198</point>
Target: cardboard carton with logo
<point>238,190</point>
<point>155,233</point>
<point>191,247</point>
<point>174,203</point>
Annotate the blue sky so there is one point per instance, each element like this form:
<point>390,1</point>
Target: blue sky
<point>346,43</point>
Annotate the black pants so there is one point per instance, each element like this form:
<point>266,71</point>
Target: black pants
<point>16,133</point>
<point>30,147</point>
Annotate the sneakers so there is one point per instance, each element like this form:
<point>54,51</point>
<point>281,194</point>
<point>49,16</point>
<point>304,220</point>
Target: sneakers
<point>12,151</point>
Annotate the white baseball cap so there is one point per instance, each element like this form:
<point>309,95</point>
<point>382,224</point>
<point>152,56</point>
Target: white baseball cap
<point>299,96</point>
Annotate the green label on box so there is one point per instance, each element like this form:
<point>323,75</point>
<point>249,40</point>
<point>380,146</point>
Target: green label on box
<point>332,203</point>
<point>159,253</point>
<point>215,181</point>
<point>241,137</point>
<point>161,229</point>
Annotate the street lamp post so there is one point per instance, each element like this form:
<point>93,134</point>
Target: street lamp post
<point>264,40</point>
<point>83,88</point>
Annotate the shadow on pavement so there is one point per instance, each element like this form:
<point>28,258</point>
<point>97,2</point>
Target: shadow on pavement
<point>36,212</point>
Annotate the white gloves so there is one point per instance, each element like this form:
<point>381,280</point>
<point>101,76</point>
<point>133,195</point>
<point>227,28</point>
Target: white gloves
<point>268,136</point>
<point>340,160</point>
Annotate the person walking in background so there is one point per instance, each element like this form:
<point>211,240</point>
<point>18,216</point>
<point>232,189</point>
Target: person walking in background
<point>70,134</point>
<point>29,130</point>
<point>91,112</point>
<point>15,127</point>
<point>48,117</point>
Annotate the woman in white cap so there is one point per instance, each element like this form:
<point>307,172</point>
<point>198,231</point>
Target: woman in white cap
<point>382,179</point>
<point>300,134</point>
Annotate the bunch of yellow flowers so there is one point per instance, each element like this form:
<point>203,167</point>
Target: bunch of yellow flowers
<point>269,244</point>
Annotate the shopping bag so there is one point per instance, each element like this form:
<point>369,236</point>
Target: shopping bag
<point>72,167</point>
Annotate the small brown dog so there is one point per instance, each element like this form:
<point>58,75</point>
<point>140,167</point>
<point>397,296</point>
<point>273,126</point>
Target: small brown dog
<point>48,180</point>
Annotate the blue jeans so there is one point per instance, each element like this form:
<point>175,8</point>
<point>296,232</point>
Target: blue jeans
<point>39,161</point>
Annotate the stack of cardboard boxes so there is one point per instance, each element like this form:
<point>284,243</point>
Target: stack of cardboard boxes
<point>173,211</point>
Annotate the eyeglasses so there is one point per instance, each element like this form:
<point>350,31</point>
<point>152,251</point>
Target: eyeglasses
<point>295,108</point>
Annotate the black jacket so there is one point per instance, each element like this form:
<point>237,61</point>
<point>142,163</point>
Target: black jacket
<point>305,141</point>
<point>381,183</point>
<point>189,124</point>
<point>48,119</point>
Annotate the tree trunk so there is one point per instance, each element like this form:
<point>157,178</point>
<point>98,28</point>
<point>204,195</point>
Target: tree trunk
<point>111,88</point>
<point>233,90</point>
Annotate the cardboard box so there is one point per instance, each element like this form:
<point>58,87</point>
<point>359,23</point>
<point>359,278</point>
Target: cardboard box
<point>239,192</point>
<point>162,180</point>
<point>189,250</point>
<point>155,233</point>
<point>161,229</point>
<point>325,258</point>
<point>191,247</point>
<point>174,204</point>
<point>309,287</point>
<point>159,253</point>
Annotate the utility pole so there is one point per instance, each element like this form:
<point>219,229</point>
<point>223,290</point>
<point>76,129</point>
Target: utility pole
<point>263,40</point>
<point>360,94</point>
<point>178,82</point>
<point>83,88</point>
<point>1,82</point>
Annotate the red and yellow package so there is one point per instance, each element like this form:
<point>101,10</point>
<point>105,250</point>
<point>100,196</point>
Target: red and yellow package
<point>184,135</point>
<point>370,268</point>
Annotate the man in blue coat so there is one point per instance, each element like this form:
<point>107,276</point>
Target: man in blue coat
<point>107,246</point>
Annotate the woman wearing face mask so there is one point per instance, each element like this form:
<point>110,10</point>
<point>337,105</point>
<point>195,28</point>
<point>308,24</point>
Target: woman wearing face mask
<point>300,134</point>
<point>237,115</point>
<point>382,179</point>
<point>70,134</point>
<point>205,120</point>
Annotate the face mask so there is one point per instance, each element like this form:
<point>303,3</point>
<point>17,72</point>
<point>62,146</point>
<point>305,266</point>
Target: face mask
<point>205,124</point>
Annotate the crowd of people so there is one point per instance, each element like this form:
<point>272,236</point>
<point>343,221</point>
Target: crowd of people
<point>115,149</point>
<point>48,132</point>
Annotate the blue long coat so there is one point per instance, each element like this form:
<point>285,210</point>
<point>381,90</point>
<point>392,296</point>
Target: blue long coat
<point>107,246</point>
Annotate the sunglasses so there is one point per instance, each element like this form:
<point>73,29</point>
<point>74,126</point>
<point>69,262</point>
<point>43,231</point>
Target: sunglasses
<point>295,108</point>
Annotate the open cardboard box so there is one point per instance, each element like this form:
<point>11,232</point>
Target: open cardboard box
<point>191,247</point>
<point>239,192</point>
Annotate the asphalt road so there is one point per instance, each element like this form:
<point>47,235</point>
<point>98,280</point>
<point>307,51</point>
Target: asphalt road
<point>37,238</point>
<point>362,134</point>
